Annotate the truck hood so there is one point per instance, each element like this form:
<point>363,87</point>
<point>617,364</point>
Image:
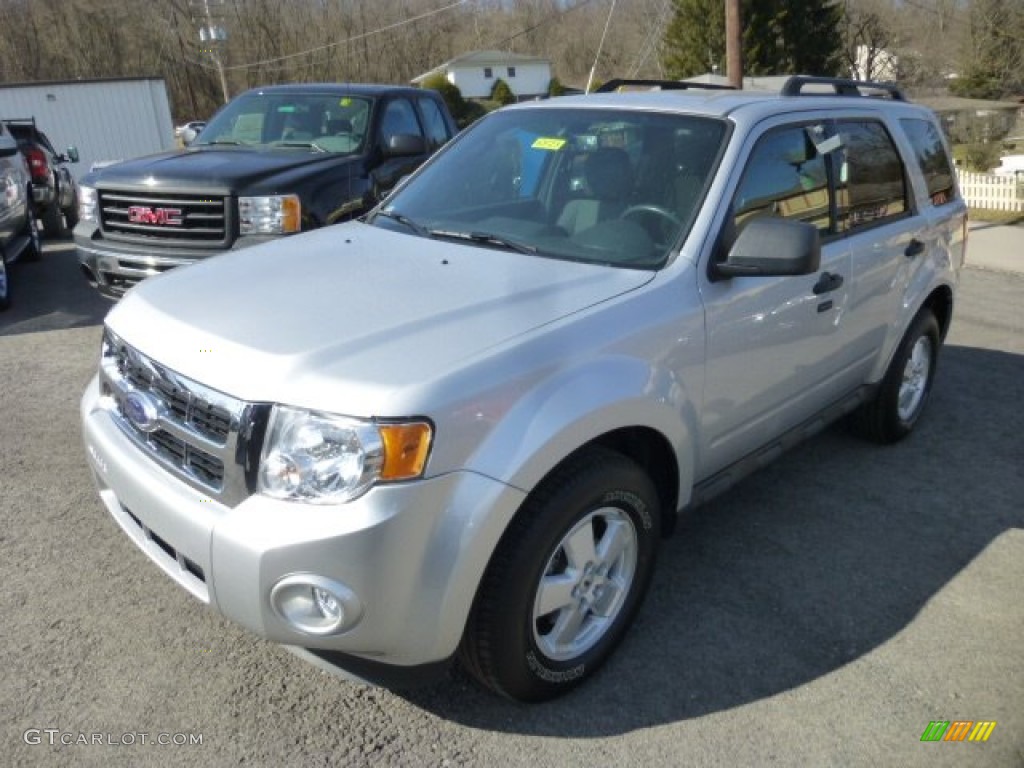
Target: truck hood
<point>351,318</point>
<point>220,168</point>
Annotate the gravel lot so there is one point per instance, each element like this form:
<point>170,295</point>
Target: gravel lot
<point>822,613</point>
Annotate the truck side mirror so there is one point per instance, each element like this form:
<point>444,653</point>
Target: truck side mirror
<point>404,145</point>
<point>72,154</point>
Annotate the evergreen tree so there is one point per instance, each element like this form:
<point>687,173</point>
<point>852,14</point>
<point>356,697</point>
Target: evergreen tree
<point>779,37</point>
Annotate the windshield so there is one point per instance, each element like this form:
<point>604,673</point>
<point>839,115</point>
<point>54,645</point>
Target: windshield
<point>314,122</point>
<point>604,186</point>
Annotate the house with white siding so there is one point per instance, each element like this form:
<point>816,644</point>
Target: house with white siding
<point>475,74</point>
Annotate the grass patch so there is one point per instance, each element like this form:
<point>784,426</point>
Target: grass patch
<point>995,217</point>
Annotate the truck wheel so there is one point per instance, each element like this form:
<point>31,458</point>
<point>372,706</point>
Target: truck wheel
<point>900,400</point>
<point>53,224</point>
<point>566,579</point>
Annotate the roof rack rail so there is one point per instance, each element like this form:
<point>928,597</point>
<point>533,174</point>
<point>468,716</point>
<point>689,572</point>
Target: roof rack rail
<point>666,85</point>
<point>840,87</point>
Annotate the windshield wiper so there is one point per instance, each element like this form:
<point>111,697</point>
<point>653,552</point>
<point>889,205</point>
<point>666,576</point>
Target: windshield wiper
<point>305,144</point>
<point>401,218</point>
<point>222,142</point>
<point>488,238</point>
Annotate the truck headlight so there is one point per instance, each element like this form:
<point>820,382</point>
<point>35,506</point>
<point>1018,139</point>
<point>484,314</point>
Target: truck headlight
<point>269,215</point>
<point>321,458</point>
<point>87,204</point>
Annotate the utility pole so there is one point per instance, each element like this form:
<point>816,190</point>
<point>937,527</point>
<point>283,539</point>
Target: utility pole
<point>212,36</point>
<point>733,43</point>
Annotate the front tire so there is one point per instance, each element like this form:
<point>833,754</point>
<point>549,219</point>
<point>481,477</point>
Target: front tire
<point>904,391</point>
<point>566,580</point>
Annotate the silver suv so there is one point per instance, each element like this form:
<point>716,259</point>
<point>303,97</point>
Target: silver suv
<point>460,427</point>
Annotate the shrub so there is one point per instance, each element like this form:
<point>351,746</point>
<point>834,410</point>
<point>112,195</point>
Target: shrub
<point>501,93</point>
<point>449,92</point>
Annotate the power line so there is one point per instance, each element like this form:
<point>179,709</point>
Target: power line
<point>347,40</point>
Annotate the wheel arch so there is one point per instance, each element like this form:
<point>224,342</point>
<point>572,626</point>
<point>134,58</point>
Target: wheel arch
<point>940,303</point>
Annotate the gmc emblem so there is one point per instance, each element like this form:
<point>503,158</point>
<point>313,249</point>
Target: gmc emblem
<point>164,217</point>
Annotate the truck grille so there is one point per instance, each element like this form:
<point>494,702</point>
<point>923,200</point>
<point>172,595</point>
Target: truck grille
<point>173,219</point>
<point>198,434</point>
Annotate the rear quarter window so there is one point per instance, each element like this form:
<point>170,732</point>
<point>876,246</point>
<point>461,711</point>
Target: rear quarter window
<point>932,159</point>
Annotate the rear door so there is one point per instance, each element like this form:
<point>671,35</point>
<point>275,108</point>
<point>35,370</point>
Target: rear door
<point>876,216</point>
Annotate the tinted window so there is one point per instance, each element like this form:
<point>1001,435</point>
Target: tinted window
<point>785,176</point>
<point>871,187</point>
<point>437,128</point>
<point>932,159</point>
<point>399,117</point>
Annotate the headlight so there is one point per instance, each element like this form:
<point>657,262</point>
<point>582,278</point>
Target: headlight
<point>87,204</point>
<point>269,215</point>
<point>320,458</point>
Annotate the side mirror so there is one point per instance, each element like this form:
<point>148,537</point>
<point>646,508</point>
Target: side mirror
<point>73,154</point>
<point>188,136</point>
<point>404,145</point>
<point>772,246</point>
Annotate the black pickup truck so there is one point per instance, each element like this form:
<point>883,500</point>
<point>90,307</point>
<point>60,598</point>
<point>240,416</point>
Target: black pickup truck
<point>274,161</point>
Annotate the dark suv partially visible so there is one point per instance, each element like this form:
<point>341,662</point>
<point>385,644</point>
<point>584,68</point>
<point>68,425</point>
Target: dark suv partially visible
<point>18,236</point>
<point>54,191</point>
<point>274,161</point>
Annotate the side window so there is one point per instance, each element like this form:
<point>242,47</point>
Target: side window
<point>871,187</point>
<point>399,117</point>
<point>785,176</point>
<point>932,159</point>
<point>437,128</point>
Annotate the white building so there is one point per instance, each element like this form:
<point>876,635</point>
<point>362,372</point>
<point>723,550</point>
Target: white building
<point>106,120</point>
<point>475,74</point>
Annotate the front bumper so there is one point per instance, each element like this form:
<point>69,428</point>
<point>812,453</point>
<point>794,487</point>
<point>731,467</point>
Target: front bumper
<point>113,267</point>
<point>411,554</point>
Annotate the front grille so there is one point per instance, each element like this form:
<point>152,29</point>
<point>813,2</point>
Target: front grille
<point>197,433</point>
<point>173,219</point>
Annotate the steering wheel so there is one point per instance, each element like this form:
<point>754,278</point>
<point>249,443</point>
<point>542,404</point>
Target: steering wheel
<point>655,209</point>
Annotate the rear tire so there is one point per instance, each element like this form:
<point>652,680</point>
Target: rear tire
<point>71,214</point>
<point>53,222</point>
<point>566,579</point>
<point>904,391</point>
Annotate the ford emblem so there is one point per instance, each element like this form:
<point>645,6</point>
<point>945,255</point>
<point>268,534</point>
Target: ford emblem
<point>142,411</point>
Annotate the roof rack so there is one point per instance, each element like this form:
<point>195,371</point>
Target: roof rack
<point>666,85</point>
<point>840,87</point>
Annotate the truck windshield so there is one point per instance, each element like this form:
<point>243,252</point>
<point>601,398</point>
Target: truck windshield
<point>618,187</point>
<point>315,122</point>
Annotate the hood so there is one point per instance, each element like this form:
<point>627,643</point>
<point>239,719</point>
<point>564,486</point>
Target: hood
<point>351,318</point>
<point>220,168</point>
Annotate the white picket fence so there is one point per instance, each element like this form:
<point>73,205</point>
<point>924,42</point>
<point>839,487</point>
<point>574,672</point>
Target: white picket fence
<point>996,193</point>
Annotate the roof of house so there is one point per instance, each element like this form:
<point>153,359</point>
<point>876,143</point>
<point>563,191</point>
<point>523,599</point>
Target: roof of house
<point>484,58</point>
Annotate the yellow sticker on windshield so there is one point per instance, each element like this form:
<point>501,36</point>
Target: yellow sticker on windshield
<point>345,102</point>
<point>553,144</point>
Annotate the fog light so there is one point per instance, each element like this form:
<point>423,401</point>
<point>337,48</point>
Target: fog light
<point>328,606</point>
<point>315,605</point>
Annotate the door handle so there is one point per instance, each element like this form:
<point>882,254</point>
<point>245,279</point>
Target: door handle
<point>915,248</point>
<point>826,283</point>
